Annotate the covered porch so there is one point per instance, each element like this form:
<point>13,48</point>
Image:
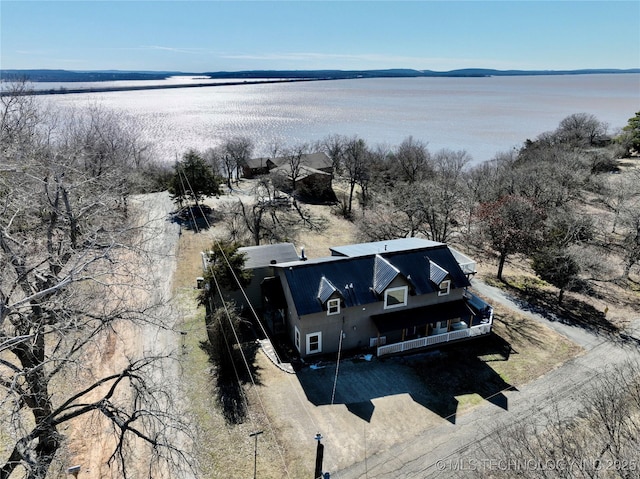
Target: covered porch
<point>431,325</point>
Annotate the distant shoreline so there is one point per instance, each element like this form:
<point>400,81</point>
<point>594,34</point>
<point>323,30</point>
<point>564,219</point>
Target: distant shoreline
<point>253,77</point>
<point>68,91</point>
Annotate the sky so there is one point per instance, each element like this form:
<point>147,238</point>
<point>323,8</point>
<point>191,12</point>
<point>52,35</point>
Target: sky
<point>200,36</point>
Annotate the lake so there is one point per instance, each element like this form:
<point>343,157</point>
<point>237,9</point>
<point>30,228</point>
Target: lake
<point>480,115</point>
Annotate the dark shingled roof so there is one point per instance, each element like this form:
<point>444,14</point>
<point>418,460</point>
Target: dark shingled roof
<point>354,277</point>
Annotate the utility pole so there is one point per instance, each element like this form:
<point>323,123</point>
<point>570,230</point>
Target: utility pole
<point>319,456</point>
<point>255,452</point>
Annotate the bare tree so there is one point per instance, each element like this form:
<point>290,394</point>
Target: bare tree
<point>265,218</point>
<point>20,117</point>
<point>601,438</point>
<point>412,159</point>
<point>334,147</point>
<point>443,198</point>
<point>401,215</point>
<point>582,129</point>
<point>631,239</point>
<point>293,163</point>
<point>621,195</point>
<point>68,258</point>
<point>238,150</point>
<point>355,166</point>
<point>512,224</point>
<point>430,207</point>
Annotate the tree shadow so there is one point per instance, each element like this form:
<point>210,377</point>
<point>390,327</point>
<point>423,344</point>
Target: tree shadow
<point>194,218</point>
<point>518,326</point>
<point>434,379</point>
<point>571,311</point>
<point>229,376</point>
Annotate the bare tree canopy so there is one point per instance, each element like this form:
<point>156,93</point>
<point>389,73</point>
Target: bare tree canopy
<point>69,257</point>
<point>413,160</point>
<point>600,441</point>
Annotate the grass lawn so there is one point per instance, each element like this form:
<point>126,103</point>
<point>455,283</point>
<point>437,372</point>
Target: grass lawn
<point>464,374</point>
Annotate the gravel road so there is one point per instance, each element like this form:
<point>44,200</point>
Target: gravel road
<point>155,336</point>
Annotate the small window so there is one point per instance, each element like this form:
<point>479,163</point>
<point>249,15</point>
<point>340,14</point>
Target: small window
<point>333,306</point>
<point>314,343</point>
<point>297,338</point>
<point>395,297</point>
<point>444,288</point>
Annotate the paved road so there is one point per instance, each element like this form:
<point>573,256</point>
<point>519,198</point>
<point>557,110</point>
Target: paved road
<point>430,453</point>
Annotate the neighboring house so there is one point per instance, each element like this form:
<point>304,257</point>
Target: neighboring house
<point>393,296</point>
<point>261,166</point>
<point>257,166</point>
<point>310,182</point>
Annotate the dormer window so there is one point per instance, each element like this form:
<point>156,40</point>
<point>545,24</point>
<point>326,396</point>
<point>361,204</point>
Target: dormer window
<point>333,306</point>
<point>444,288</point>
<point>395,297</point>
<point>329,296</point>
<point>438,276</point>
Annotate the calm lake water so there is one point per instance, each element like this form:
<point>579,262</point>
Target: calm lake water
<point>480,115</point>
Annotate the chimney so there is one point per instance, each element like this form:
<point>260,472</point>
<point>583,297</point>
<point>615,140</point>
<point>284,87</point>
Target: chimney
<point>302,256</point>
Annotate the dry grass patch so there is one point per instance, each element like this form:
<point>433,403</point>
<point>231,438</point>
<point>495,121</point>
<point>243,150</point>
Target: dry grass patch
<point>224,449</point>
<point>535,349</point>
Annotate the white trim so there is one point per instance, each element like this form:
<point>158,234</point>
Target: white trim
<point>444,288</point>
<point>333,302</point>
<point>296,336</point>
<point>391,290</point>
<point>319,348</point>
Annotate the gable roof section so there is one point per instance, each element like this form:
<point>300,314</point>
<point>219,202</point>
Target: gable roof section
<point>416,266</point>
<point>352,278</point>
<point>316,161</point>
<point>303,171</point>
<point>383,273</point>
<point>356,279</point>
<point>326,290</point>
<point>436,273</point>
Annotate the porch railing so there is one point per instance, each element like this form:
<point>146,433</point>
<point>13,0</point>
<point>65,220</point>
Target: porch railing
<point>435,339</point>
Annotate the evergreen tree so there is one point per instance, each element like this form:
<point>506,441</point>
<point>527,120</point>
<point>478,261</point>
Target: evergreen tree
<point>193,179</point>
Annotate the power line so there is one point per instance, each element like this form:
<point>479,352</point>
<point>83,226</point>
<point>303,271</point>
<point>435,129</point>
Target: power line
<point>246,363</point>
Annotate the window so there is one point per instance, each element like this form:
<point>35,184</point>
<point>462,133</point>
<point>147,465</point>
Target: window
<point>297,338</point>
<point>333,306</point>
<point>395,297</point>
<point>314,343</point>
<point>373,342</point>
<point>445,287</point>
